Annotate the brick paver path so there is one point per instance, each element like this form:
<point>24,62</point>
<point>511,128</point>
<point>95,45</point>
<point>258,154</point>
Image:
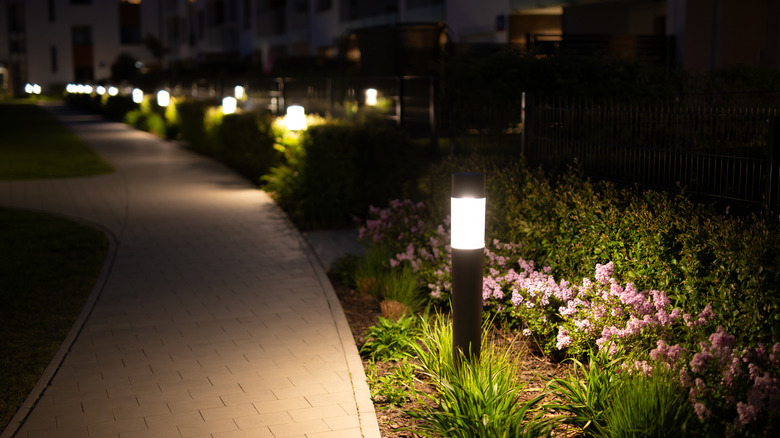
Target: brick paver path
<point>212,320</point>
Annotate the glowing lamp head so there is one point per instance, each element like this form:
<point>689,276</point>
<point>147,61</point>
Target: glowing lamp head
<point>138,95</point>
<point>371,95</point>
<point>468,211</point>
<point>163,98</point>
<point>36,89</point>
<point>101,90</point>
<point>113,91</point>
<point>228,105</point>
<point>295,120</point>
<point>28,88</point>
<point>238,91</point>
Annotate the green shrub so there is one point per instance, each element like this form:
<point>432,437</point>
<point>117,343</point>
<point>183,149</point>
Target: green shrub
<point>656,240</point>
<point>191,123</point>
<point>246,143</point>
<point>391,339</point>
<point>116,107</point>
<point>337,170</point>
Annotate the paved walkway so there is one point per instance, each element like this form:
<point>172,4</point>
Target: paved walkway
<point>213,317</point>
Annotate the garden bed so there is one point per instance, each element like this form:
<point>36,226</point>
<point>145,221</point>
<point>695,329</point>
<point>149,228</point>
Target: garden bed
<point>362,312</point>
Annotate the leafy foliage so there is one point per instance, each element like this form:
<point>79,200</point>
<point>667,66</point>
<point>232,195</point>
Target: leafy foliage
<point>391,339</point>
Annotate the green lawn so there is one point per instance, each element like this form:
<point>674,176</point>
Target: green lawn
<point>48,265</point>
<point>34,145</point>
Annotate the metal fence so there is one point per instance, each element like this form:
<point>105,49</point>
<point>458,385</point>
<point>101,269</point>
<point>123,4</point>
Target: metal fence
<point>730,153</point>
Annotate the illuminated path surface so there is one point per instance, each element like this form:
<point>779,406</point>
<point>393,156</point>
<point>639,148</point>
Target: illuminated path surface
<point>213,318</point>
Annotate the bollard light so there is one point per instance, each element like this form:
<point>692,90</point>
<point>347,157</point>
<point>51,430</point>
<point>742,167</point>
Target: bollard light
<point>295,120</point>
<point>113,91</point>
<point>468,246</point>
<point>36,89</point>
<point>371,94</point>
<point>228,105</point>
<point>163,98</point>
<point>138,95</point>
<point>238,91</point>
<point>28,88</point>
<point>101,90</point>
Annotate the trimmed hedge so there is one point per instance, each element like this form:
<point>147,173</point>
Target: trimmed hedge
<point>337,171</point>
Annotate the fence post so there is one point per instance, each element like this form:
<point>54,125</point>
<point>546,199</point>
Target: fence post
<point>527,119</point>
<point>773,178</point>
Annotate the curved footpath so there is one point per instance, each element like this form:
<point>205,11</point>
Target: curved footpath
<point>212,318</point>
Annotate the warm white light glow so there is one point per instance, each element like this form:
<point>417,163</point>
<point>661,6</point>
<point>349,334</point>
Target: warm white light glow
<point>113,91</point>
<point>36,89</point>
<point>28,88</point>
<point>101,90</point>
<point>87,89</point>
<point>468,223</point>
<point>238,92</point>
<point>295,120</point>
<point>371,94</point>
<point>163,98</point>
<point>228,105</point>
<point>138,95</point>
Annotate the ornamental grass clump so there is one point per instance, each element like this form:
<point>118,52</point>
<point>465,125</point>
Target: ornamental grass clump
<point>477,398</point>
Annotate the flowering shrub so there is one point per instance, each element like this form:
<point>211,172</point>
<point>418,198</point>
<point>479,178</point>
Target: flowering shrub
<point>736,385</point>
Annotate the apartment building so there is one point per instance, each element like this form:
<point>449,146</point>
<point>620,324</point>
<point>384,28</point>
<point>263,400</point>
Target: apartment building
<point>54,42</point>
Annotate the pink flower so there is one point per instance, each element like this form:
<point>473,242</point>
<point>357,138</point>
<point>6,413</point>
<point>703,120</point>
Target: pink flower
<point>699,361</point>
<point>747,413</point>
<point>701,411</point>
<point>563,339</point>
<point>604,272</point>
<point>721,340</point>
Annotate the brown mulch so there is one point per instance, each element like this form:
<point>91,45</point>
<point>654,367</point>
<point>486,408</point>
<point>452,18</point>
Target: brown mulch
<point>362,311</point>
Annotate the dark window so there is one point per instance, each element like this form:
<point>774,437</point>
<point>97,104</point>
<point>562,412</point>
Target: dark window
<point>53,55</point>
<point>215,11</point>
<point>247,14</point>
<point>16,17</point>
<point>81,35</point>
<point>129,22</point>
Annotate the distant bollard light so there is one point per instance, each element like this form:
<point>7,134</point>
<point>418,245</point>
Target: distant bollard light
<point>138,95</point>
<point>28,88</point>
<point>36,89</point>
<point>113,91</point>
<point>295,120</point>
<point>238,92</point>
<point>87,89</point>
<point>228,105</point>
<point>163,98</point>
<point>371,95</point>
<point>468,246</point>
<point>101,90</point>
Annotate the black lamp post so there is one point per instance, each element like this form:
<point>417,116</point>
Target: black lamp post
<point>468,244</point>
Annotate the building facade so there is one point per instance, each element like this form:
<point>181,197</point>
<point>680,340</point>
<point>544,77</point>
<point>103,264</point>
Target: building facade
<point>54,42</point>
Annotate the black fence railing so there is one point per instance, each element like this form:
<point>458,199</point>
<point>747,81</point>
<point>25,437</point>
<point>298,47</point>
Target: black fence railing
<point>730,153</point>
